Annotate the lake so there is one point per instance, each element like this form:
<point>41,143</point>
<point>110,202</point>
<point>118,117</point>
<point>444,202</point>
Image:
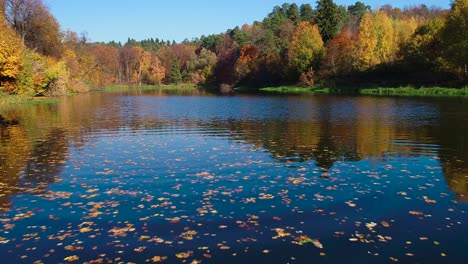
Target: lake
<point>190,177</point>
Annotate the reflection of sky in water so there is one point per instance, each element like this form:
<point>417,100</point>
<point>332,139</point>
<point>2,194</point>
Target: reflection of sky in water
<point>334,109</point>
<point>131,172</point>
<point>235,170</point>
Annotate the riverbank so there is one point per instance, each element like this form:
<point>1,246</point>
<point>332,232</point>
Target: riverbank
<point>379,91</point>
<point>147,87</point>
<point>6,100</point>
<point>410,91</point>
<point>296,90</point>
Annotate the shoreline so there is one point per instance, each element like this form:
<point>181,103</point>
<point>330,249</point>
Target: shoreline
<point>8,100</point>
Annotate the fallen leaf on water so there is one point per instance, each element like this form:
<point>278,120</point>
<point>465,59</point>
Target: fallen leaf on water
<point>415,212</point>
<point>157,259</point>
<point>184,255</point>
<point>71,258</point>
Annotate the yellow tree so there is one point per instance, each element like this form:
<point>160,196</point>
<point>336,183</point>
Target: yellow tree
<point>403,29</point>
<point>157,72</point>
<point>11,49</point>
<point>306,49</point>
<point>385,49</point>
<point>454,38</point>
<point>143,63</point>
<point>366,43</point>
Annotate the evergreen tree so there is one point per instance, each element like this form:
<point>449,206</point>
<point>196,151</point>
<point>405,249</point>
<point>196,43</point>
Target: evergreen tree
<point>307,13</point>
<point>176,75</point>
<point>358,10</point>
<point>293,13</point>
<point>327,19</point>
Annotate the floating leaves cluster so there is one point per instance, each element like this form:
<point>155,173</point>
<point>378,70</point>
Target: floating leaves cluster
<point>180,198</point>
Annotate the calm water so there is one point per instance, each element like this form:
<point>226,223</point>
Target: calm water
<point>185,176</point>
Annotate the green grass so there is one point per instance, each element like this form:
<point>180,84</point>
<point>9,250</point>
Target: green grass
<point>149,87</point>
<point>19,99</point>
<point>295,90</point>
<point>37,101</point>
<point>12,99</point>
<point>381,91</point>
<point>410,91</point>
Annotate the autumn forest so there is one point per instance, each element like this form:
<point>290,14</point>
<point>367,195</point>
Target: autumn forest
<point>329,45</point>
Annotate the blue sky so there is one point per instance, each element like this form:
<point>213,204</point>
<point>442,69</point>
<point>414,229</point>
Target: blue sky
<point>105,20</point>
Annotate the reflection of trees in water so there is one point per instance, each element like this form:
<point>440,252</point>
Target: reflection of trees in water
<point>327,142</point>
<point>46,160</point>
<point>32,151</point>
<point>13,152</point>
<point>453,137</point>
<point>26,166</point>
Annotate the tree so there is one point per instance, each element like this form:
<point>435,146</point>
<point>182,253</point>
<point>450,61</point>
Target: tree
<point>107,59</point>
<point>176,75</point>
<point>157,72</point>
<point>338,60</point>
<point>201,67</point>
<point>366,43</point>
<point>403,30</point>
<point>307,13</point>
<point>211,42</point>
<point>424,50</point>
<point>11,49</point>
<point>358,10</point>
<point>143,64</point>
<point>128,57</point>
<point>454,37</point>
<point>327,19</point>
<point>37,28</point>
<point>247,61</point>
<point>239,36</point>
<point>225,64</point>
<point>293,13</point>
<point>276,18</point>
<point>385,49</point>
<point>306,48</point>
<point>181,52</point>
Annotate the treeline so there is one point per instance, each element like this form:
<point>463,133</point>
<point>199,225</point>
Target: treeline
<point>293,44</point>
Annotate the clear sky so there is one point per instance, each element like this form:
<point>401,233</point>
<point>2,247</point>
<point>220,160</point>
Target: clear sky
<point>105,20</point>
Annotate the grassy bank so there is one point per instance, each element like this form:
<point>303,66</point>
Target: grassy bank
<point>380,91</point>
<point>19,99</point>
<point>295,90</point>
<point>148,87</point>
<point>410,91</point>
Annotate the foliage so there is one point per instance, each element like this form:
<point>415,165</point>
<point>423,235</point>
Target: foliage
<point>306,49</point>
<point>307,13</point>
<point>202,66</point>
<point>339,60</point>
<point>10,56</point>
<point>366,43</point>
<point>156,72</point>
<point>37,28</point>
<point>358,10</point>
<point>327,19</point>
<point>454,38</point>
<point>176,75</point>
<point>418,45</point>
<point>424,49</point>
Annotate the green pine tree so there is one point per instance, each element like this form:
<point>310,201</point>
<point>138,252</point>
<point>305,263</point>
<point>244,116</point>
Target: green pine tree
<point>327,19</point>
<point>176,75</point>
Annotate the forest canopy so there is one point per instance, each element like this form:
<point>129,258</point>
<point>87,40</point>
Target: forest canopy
<point>326,43</point>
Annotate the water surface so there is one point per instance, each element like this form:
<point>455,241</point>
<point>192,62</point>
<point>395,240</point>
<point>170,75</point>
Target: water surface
<point>150,176</point>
